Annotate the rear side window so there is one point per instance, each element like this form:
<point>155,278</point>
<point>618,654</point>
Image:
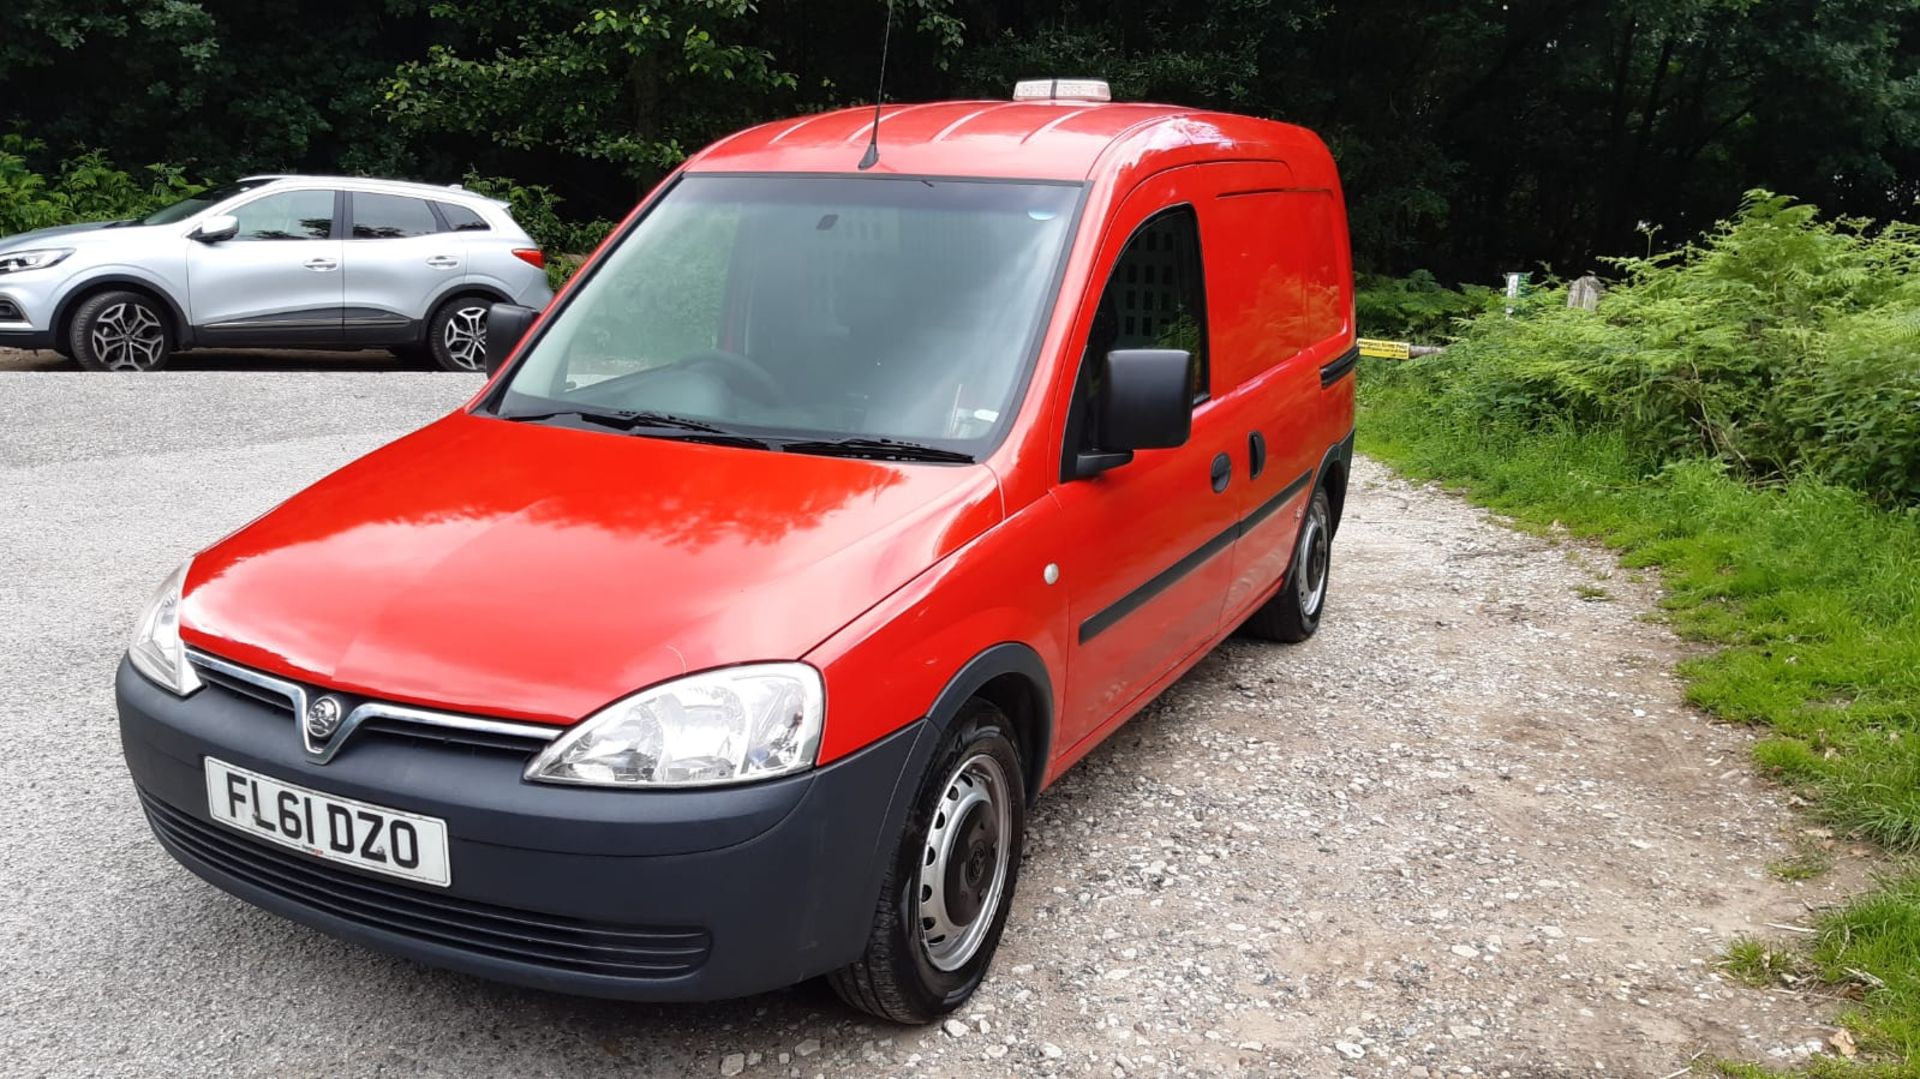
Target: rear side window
<point>391,217</point>
<point>461,219</point>
<point>289,215</point>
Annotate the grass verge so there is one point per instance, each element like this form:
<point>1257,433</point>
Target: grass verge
<point>1813,597</point>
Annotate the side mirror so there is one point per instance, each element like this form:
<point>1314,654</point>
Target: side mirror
<point>217,228</point>
<point>1146,403</point>
<point>507,324</point>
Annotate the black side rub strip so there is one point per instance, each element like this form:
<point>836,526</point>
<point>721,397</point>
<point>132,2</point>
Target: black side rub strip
<point>1193,560</point>
<point>1338,369</point>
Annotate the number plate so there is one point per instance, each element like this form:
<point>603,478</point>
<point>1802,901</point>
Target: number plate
<point>369,837</point>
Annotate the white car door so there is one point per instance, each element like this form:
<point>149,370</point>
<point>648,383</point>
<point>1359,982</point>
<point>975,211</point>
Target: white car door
<point>398,260</point>
<point>278,281</point>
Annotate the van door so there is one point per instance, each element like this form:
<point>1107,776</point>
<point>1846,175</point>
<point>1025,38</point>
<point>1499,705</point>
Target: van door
<point>1278,317</point>
<point>1148,564</point>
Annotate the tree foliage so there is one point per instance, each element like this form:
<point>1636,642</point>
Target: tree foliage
<point>636,86</point>
<point>86,188</point>
<point>1474,136</point>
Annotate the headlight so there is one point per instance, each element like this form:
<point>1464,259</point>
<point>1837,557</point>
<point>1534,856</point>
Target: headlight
<point>724,726</point>
<point>156,650</point>
<point>13,261</point>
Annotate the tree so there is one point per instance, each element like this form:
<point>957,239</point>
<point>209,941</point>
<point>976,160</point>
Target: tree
<point>635,86</point>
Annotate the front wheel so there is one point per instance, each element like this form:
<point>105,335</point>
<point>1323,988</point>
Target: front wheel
<point>119,331</point>
<point>457,334</point>
<point>1293,614</point>
<point>945,898</point>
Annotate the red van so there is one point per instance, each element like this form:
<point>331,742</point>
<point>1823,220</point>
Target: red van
<point>723,640</point>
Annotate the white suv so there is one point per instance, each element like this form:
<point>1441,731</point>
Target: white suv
<point>313,262</point>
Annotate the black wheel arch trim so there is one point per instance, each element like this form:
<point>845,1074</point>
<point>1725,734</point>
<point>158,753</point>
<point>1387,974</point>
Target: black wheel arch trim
<point>1006,658</point>
<point>453,289</point>
<point>1003,659</point>
<point>183,334</point>
<point>1339,455</point>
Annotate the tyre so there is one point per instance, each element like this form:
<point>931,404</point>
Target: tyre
<point>944,901</point>
<point>457,334</point>
<point>120,331</point>
<point>1293,614</point>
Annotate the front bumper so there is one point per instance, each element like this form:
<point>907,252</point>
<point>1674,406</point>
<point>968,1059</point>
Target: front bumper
<point>22,337</point>
<point>638,895</point>
<point>26,310</point>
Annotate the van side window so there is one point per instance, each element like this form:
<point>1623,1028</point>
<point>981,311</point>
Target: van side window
<point>1154,298</point>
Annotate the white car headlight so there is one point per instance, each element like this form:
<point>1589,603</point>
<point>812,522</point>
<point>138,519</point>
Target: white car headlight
<point>39,259</point>
<point>729,725</point>
<point>156,650</point>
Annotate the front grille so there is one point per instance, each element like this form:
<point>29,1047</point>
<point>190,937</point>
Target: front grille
<point>372,718</point>
<point>543,940</point>
<point>449,736</point>
<point>10,312</point>
<point>240,687</point>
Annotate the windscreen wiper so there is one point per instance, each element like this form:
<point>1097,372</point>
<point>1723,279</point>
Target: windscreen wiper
<point>648,423</point>
<point>886,449</point>
<point>620,420</point>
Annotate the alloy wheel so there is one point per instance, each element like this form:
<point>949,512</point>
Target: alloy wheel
<point>128,337</point>
<point>465,337</point>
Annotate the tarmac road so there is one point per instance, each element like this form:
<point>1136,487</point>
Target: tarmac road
<point>1470,828</point>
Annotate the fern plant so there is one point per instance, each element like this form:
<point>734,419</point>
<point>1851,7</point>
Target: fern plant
<point>1781,343</point>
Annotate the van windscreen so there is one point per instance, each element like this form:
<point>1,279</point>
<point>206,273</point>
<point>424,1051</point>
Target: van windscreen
<point>800,310</point>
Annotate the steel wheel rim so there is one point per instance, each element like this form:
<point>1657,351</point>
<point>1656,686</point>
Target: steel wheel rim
<point>128,337</point>
<point>964,863</point>
<point>465,338</point>
<point>1314,559</point>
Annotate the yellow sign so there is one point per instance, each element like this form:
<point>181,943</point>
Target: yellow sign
<point>1386,350</point>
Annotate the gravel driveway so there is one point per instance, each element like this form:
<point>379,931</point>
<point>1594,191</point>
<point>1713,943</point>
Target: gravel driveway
<point>1470,828</point>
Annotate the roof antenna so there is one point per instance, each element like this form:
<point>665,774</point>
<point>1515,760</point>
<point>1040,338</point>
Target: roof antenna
<point>872,156</point>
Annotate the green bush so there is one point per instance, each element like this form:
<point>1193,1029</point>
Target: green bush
<point>1416,308</point>
<point>537,209</point>
<point>85,188</point>
<point>1781,344</point>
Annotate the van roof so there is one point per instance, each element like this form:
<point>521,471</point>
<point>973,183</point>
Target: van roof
<point>1041,140</point>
